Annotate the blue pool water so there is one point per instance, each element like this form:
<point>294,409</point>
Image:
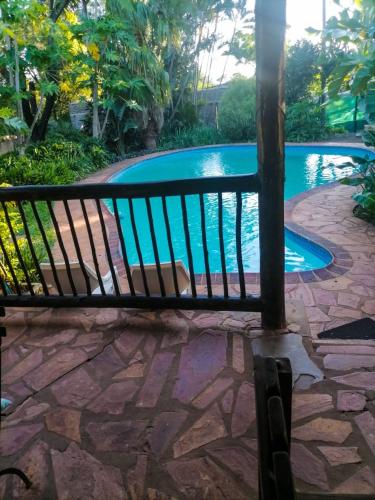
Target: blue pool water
<point>306,168</point>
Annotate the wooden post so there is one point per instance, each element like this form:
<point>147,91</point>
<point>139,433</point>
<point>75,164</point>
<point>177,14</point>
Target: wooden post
<point>270,37</point>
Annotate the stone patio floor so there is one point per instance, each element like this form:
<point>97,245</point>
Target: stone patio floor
<point>115,404</point>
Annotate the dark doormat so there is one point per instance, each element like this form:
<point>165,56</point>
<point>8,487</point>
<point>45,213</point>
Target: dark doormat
<point>362,329</point>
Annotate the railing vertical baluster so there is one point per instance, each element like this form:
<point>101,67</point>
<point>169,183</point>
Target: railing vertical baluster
<point>9,264</point>
<point>17,248</point>
<point>138,247</point>
<point>155,247</point>
<point>205,249</point>
<point>188,245</point>
<point>47,247</point>
<point>241,275</point>
<point>123,246</point>
<point>77,247</point>
<point>92,246</point>
<point>107,248</point>
<point>31,246</point>
<point>221,244</point>
<point>62,248</point>
<point>3,286</point>
<point>170,245</point>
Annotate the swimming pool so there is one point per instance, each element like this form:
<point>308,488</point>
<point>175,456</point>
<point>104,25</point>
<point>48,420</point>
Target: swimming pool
<point>306,168</point>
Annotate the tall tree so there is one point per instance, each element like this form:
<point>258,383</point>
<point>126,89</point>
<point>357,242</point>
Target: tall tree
<point>301,68</point>
<point>36,53</point>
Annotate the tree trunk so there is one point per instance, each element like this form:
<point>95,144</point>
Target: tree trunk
<point>8,45</point>
<point>150,139</point>
<point>323,77</point>
<point>17,79</point>
<point>226,59</point>
<point>178,102</point>
<point>102,129</point>
<point>197,72</point>
<point>206,81</point>
<point>27,114</point>
<point>40,130</point>
<point>84,8</point>
<point>121,144</point>
<point>95,110</point>
<point>150,134</point>
<point>35,119</point>
<point>32,99</point>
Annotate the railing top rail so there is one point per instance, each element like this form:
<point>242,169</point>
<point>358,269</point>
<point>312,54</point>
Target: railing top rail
<point>224,184</point>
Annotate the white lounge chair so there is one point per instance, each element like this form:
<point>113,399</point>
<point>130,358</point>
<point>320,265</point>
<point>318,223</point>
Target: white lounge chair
<point>78,278</point>
<point>183,278</point>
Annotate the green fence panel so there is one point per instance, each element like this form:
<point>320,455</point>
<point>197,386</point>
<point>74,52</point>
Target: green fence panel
<point>340,112</point>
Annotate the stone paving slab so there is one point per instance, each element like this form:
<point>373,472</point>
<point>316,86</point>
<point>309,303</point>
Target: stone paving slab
<point>196,434</point>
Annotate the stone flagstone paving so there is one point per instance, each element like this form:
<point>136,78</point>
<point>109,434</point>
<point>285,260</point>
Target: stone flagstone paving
<point>87,422</point>
<point>117,404</point>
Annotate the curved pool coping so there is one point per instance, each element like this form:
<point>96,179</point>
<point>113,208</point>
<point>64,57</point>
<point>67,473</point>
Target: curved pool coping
<point>341,259</point>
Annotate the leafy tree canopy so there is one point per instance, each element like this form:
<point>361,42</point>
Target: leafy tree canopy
<point>354,31</point>
<point>237,110</point>
<point>302,66</point>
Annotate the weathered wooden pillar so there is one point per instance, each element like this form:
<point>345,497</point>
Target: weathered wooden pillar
<point>270,37</point>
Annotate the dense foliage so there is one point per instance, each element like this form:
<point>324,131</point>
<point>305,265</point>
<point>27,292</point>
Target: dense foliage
<point>237,121</point>
<point>11,255</point>
<point>365,181</point>
<point>304,111</point>
<point>54,161</point>
<point>354,30</point>
<point>9,247</point>
<point>303,122</point>
<point>199,135</point>
<point>301,69</point>
<point>131,60</point>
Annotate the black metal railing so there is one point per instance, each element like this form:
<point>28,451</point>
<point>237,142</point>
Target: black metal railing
<point>273,390</point>
<point>273,393</point>
<point>84,223</point>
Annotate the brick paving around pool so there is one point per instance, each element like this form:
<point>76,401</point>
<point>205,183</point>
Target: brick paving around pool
<point>116,404</point>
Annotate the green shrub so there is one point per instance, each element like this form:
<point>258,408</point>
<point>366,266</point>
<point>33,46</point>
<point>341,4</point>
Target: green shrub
<point>16,222</point>
<point>53,162</point>
<point>201,135</point>
<point>237,121</point>
<point>304,123</point>
<point>23,246</point>
<point>185,117</point>
<point>20,170</point>
<point>10,124</point>
<point>368,137</point>
<point>365,180</point>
